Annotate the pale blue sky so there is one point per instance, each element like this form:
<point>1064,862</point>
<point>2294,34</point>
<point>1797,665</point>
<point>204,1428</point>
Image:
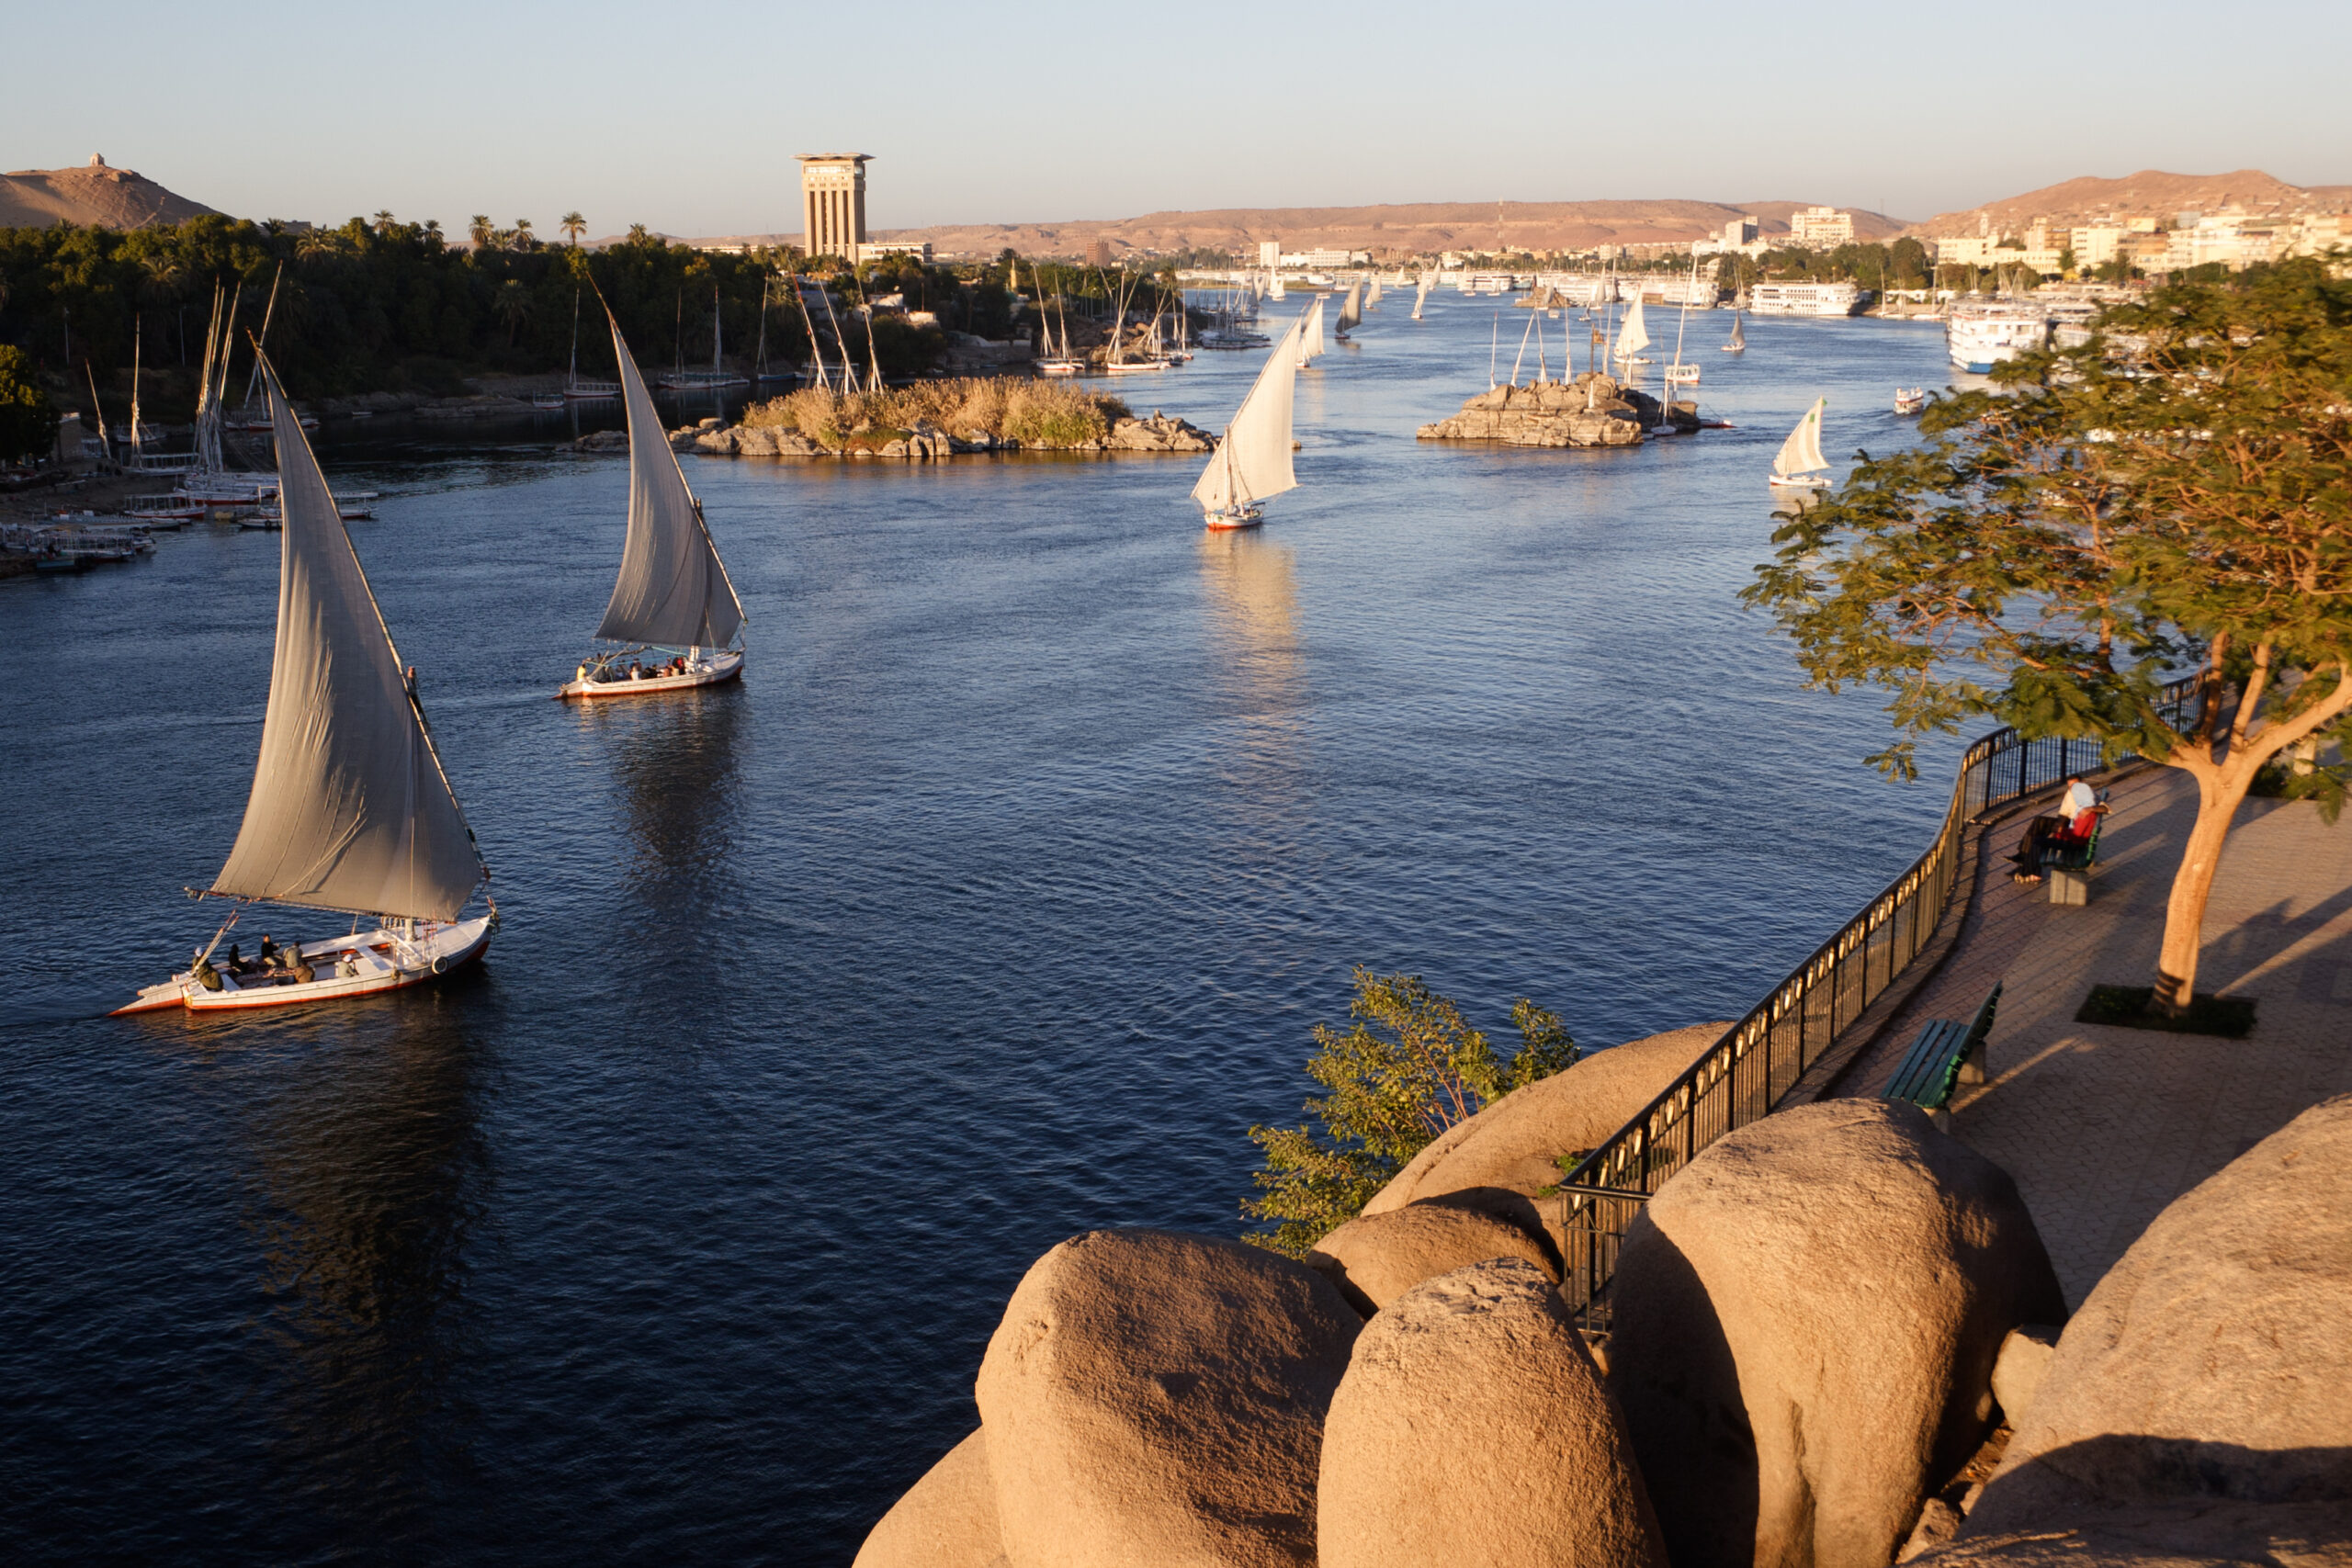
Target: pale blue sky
<point>687,119</point>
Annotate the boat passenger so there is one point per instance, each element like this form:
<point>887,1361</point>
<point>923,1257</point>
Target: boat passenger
<point>303,972</point>
<point>235,965</point>
<point>349,968</point>
<point>268,951</point>
<point>206,975</point>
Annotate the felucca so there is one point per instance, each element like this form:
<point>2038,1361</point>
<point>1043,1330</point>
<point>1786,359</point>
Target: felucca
<point>350,810</point>
<point>1420,296</point>
<point>1252,462</point>
<point>674,593</point>
<point>1633,337</point>
<point>1738,343</point>
<point>1351,311</point>
<point>1800,466</point>
<point>1310,333</point>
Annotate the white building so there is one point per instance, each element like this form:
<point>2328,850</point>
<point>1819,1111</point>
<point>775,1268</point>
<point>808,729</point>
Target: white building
<point>1821,227</point>
<point>1318,261</point>
<point>1270,254</point>
<point>877,251</point>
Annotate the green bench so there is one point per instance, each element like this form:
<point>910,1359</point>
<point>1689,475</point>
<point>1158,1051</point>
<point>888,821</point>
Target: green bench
<point>2068,869</point>
<point>1946,1053</point>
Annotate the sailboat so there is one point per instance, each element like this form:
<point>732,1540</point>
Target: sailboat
<point>673,591</point>
<point>1679,374</point>
<point>351,810</point>
<point>1633,337</point>
<point>1800,467</point>
<point>1350,311</point>
<point>1738,343</point>
<point>716,379</point>
<point>1252,462</point>
<point>1371,295</point>
<point>1273,284</point>
<point>1310,333</point>
<point>1057,362</point>
<point>1420,296</point>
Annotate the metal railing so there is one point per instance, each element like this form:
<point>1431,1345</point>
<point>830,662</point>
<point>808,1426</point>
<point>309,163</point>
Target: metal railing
<point>1746,1073</point>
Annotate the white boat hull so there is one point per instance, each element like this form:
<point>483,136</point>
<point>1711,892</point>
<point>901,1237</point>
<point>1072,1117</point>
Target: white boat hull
<point>711,673</point>
<point>383,959</point>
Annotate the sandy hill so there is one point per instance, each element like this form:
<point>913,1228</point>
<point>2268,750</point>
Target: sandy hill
<point>2151,193</point>
<point>111,198</point>
<point>1405,229</point>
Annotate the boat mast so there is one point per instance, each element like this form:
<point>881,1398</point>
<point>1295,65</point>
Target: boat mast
<point>254,380</point>
<point>138,341</point>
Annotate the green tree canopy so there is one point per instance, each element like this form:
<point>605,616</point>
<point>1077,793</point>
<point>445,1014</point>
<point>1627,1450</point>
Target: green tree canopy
<point>1410,1068</point>
<point>2169,499</point>
<point>27,424</point>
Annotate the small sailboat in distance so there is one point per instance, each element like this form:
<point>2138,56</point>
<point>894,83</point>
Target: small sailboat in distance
<point>1310,333</point>
<point>1350,311</point>
<point>1420,296</point>
<point>1252,462</point>
<point>1800,467</point>
<point>350,810</point>
<point>673,592</point>
<point>1633,337</point>
<point>1738,343</point>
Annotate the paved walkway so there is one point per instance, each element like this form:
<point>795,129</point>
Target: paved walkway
<point>2103,1127</point>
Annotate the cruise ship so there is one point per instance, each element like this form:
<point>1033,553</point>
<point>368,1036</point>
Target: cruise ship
<point>1980,333</point>
<point>1804,299</point>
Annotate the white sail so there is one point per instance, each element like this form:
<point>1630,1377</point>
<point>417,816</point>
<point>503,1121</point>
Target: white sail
<point>1371,295</point>
<point>1253,460</point>
<point>1634,337</point>
<point>1352,308</point>
<point>1801,453</point>
<point>1275,286</point>
<point>1738,333</point>
<point>1420,296</point>
<point>672,591</point>
<point>1310,336</point>
<point>349,809</point>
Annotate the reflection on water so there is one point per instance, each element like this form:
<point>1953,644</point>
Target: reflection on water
<point>1252,592</point>
<point>674,772</point>
<point>368,1177</point>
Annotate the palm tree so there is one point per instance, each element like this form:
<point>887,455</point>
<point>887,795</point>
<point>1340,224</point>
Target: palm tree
<point>383,221</point>
<point>638,234</point>
<point>512,306</point>
<point>524,238</point>
<point>316,242</point>
<point>573,226</point>
<point>480,229</point>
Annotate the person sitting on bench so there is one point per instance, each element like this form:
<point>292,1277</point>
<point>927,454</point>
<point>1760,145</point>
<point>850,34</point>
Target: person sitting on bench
<point>2044,835</point>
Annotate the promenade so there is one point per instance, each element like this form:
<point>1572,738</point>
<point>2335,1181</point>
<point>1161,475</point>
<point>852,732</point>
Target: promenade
<point>2103,1127</point>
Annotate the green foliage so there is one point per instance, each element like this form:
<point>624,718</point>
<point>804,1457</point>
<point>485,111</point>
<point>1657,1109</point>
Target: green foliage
<point>2063,534</point>
<point>1410,1068</point>
<point>27,424</point>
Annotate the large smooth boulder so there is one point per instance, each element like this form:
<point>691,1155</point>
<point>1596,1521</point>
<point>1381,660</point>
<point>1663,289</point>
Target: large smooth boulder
<point>1501,1157</point>
<point>1806,1318</point>
<point>1473,1431</point>
<point>1374,1258</point>
<point>1157,1398</point>
<point>2202,1399</point>
<point>945,1520</point>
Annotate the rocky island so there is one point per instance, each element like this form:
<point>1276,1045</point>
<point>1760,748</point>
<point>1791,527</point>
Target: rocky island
<point>1592,409</point>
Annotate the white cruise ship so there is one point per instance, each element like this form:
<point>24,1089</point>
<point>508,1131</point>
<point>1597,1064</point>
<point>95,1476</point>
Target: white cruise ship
<point>1804,299</point>
<point>1980,333</point>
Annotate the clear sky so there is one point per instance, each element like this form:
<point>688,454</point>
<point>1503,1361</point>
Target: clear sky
<point>686,118</point>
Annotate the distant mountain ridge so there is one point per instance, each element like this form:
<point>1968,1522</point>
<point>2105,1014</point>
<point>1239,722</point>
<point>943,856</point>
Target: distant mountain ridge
<point>94,195</point>
<point>1408,229</point>
<point>2151,193</point>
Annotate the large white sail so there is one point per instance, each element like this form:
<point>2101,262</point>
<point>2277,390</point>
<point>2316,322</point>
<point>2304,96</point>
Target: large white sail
<point>1420,296</point>
<point>349,809</point>
<point>1310,336</point>
<point>1372,294</point>
<point>1801,453</point>
<point>1352,308</point>
<point>1253,460</point>
<point>1635,337</point>
<point>672,591</point>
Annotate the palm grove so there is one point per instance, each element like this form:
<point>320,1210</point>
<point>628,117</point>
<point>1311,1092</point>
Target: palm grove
<point>381,305</point>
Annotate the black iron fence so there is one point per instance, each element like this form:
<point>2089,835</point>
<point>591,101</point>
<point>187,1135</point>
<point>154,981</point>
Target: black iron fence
<point>1748,1073</point>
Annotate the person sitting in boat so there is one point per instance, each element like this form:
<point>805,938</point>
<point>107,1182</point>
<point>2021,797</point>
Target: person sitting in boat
<point>303,972</point>
<point>233,963</point>
<point>269,952</point>
<point>206,975</point>
<point>349,968</point>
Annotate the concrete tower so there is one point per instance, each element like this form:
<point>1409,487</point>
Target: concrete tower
<point>832,203</point>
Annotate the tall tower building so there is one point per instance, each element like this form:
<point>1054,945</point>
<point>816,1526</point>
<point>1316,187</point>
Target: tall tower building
<point>832,203</point>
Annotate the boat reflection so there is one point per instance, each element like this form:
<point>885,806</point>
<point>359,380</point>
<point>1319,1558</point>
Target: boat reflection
<point>1252,595</point>
<point>675,764</point>
<point>372,1175</point>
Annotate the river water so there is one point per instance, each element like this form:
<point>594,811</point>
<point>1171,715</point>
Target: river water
<point>995,903</point>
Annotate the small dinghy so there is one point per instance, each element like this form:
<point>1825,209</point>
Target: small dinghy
<point>673,595</point>
<point>1910,400</point>
<point>350,810</point>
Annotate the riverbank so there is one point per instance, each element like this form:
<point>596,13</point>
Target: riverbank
<point>931,420</point>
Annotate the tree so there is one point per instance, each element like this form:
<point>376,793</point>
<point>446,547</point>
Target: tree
<point>480,229</point>
<point>573,226</point>
<point>1409,1070</point>
<point>513,307</point>
<point>383,220</point>
<point>524,238</point>
<point>2167,498</point>
<point>27,424</point>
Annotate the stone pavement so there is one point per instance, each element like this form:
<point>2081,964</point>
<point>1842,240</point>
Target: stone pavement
<point>2103,1127</point>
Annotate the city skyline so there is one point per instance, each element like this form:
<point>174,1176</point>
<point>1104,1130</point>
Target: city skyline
<point>973,118</point>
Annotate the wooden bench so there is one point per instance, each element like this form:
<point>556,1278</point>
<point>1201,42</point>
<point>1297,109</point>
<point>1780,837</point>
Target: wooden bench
<point>1946,1053</point>
<point>2068,867</point>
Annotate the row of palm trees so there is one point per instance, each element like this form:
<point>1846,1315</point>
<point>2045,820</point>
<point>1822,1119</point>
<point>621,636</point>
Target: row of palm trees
<point>488,237</point>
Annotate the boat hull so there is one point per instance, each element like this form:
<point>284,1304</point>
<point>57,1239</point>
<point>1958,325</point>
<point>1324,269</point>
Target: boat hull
<point>724,667</point>
<point>1233,521</point>
<point>385,960</point>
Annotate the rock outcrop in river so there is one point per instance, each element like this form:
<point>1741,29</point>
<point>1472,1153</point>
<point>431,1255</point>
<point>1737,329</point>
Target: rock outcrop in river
<point>1593,409</point>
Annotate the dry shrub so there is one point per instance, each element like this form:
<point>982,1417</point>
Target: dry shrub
<point>1034,413</point>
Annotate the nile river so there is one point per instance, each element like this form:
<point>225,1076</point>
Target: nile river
<point>994,904</point>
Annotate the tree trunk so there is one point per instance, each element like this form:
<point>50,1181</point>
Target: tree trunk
<point>2220,791</point>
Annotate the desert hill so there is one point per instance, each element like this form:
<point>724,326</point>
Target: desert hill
<point>2151,193</point>
<point>1406,229</point>
<point>110,199</point>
